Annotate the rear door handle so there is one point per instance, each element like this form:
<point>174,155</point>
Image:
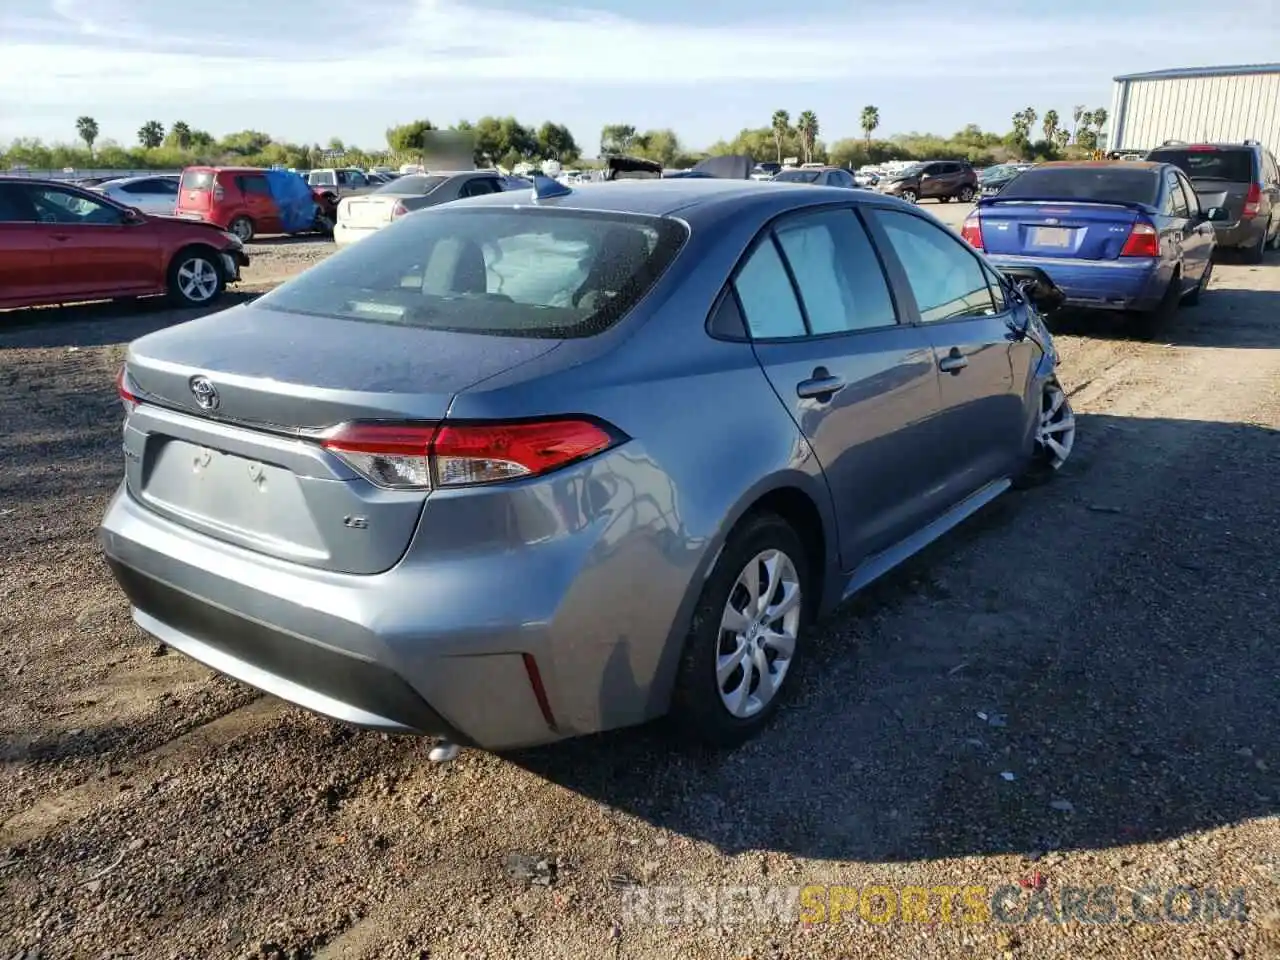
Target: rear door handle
<point>953,362</point>
<point>61,237</point>
<point>821,386</point>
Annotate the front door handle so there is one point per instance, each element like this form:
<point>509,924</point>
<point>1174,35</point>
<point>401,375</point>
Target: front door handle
<point>821,386</point>
<point>953,362</point>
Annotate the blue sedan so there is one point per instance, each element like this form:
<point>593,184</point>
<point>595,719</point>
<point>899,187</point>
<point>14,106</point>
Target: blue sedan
<point>1112,235</point>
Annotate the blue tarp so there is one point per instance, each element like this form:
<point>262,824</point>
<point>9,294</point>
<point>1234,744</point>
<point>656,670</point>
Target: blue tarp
<point>293,197</point>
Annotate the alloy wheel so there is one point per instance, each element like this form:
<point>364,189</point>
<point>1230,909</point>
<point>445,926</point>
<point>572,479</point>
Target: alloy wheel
<point>1056,431</point>
<point>758,632</point>
<point>908,195</point>
<point>197,279</point>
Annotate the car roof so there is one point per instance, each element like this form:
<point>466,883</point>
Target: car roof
<point>1125,164</point>
<point>686,195</point>
<point>1206,143</point>
<point>143,176</point>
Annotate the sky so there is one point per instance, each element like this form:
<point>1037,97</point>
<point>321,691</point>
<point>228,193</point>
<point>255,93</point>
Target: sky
<point>308,70</point>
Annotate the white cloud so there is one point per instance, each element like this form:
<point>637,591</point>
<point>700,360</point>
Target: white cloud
<point>81,53</point>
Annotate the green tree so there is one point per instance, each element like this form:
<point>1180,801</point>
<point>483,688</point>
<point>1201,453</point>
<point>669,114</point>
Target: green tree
<point>151,134</point>
<point>245,143</point>
<point>1062,138</point>
<point>409,137</point>
<point>781,127</point>
<point>179,135</point>
<point>87,130</point>
<point>807,127</point>
<point>869,120</point>
<point>1050,125</point>
<point>556,142</point>
<point>202,140</point>
<point>1077,114</point>
<point>1100,118</point>
<point>617,137</point>
<point>660,145</point>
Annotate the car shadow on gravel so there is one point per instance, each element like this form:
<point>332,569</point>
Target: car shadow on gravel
<point>1086,666</point>
<point>102,324</point>
<point>1226,317</point>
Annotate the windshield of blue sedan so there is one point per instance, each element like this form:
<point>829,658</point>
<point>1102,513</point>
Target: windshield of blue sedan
<point>525,273</point>
<point>1118,184</point>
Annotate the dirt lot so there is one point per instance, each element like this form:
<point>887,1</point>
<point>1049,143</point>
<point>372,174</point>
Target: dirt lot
<point>1077,688</point>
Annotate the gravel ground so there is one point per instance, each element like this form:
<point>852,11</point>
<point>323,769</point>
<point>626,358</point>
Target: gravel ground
<point>1077,688</point>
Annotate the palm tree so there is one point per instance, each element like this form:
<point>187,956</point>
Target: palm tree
<point>181,134</point>
<point>781,128</point>
<point>1062,138</point>
<point>1050,125</point>
<point>87,128</point>
<point>1086,122</point>
<point>870,120</point>
<point>151,134</point>
<point>1077,114</point>
<point>1099,119</point>
<point>807,126</point>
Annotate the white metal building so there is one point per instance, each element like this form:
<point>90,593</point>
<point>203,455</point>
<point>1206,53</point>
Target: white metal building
<point>1205,104</point>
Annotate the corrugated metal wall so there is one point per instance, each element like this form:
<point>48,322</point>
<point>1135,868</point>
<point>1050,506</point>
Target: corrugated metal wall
<point>1145,113</point>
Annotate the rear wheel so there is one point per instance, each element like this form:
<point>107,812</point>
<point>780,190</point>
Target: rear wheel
<point>966,194</point>
<point>1192,298</point>
<point>746,634</point>
<point>195,277</point>
<point>1150,322</point>
<point>242,227</point>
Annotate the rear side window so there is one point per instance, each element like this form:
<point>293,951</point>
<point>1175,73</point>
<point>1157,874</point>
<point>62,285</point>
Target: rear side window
<point>197,179</point>
<point>502,272</point>
<point>836,269</point>
<point>1235,166</point>
<point>1117,184</point>
<point>249,183</point>
<point>767,297</point>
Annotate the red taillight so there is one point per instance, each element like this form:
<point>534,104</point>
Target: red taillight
<point>399,210</point>
<point>420,456</point>
<point>127,396</point>
<point>1143,241</point>
<point>1202,148</point>
<point>971,232</point>
<point>1252,202</point>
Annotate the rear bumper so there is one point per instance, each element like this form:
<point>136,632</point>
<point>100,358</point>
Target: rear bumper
<point>1126,284</point>
<point>345,234</point>
<point>1243,234</point>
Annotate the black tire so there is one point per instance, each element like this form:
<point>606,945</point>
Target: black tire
<point>1041,468</point>
<point>183,292</point>
<point>697,711</point>
<point>1148,323</point>
<point>1255,253</point>
<point>1192,298</point>
<point>965,195</point>
<point>243,228</point>
<point>946,199</point>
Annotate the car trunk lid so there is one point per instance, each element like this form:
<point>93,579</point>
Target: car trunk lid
<point>245,466</point>
<point>368,211</point>
<point>1082,231</point>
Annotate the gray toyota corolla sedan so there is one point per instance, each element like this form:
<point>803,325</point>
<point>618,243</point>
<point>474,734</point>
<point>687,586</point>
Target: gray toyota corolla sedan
<point>550,462</point>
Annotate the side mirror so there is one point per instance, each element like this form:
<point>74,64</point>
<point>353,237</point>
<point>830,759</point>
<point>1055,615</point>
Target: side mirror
<point>1036,287</point>
<point>1215,214</point>
<point>133,215</point>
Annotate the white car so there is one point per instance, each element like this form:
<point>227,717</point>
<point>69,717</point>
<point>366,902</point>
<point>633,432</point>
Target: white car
<point>156,194</point>
<point>360,216</point>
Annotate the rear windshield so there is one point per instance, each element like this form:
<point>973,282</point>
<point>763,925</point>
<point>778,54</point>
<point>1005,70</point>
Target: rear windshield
<point>197,179</point>
<point>1235,166</point>
<point>413,185</point>
<point>519,273</point>
<point>1099,184</point>
<point>797,176</point>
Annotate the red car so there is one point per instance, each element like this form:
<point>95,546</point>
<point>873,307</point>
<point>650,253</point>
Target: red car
<point>238,199</point>
<point>62,244</point>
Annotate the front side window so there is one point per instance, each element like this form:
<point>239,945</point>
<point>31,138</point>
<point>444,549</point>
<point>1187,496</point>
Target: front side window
<point>946,279</point>
<point>502,272</point>
<point>52,205</point>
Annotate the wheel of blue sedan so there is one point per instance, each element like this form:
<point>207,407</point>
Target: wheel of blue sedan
<point>747,634</point>
<point>758,633</point>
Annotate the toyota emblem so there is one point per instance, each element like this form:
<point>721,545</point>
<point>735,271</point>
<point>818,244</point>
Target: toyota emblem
<point>205,392</point>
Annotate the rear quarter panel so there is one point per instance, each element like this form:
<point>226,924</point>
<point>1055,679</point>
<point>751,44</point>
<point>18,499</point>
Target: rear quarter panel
<point>709,437</point>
